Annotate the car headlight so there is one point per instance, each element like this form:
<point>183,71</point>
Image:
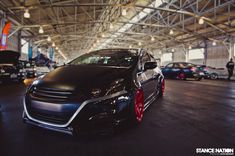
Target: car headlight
<point>2,71</point>
<point>115,86</point>
<point>35,82</point>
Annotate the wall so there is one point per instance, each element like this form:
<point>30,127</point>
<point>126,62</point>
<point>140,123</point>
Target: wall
<point>217,56</point>
<point>179,55</point>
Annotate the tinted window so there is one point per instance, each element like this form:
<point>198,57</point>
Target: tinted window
<point>190,65</point>
<point>180,65</point>
<point>169,65</point>
<point>107,58</point>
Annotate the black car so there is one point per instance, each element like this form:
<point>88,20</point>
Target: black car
<point>182,70</point>
<point>96,90</point>
<point>29,69</point>
<point>9,66</point>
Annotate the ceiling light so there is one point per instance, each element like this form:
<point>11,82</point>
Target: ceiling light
<point>98,41</point>
<point>56,48</point>
<point>139,43</point>
<point>111,26</point>
<point>26,13</point>
<point>201,21</point>
<point>130,46</point>
<point>152,38</point>
<point>49,39</point>
<point>102,35</point>
<point>138,17</point>
<point>157,3</point>
<point>171,32</point>
<point>53,44</point>
<point>124,12</point>
<point>190,47</point>
<point>41,31</point>
<point>214,43</point>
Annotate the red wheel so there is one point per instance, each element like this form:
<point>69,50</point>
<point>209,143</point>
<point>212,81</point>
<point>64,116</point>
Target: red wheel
<point>182,76</point>
<point>162,89</point>
<point>139,105</point>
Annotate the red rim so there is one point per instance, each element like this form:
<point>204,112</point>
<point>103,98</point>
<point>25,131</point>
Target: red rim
<point>163,86</point>
<point>139,105</point>
<point>182,76</point>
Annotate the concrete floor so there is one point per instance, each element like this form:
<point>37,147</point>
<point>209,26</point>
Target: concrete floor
<point>192,114</point>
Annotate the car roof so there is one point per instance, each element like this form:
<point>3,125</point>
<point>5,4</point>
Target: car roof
<point>183,62</point>
<point>137,51</point>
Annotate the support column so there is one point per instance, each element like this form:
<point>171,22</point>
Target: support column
<point>19,41</point>
<point>205,53</point>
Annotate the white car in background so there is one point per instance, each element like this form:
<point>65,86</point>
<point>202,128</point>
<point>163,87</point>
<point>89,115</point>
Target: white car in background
<point>215,73</point>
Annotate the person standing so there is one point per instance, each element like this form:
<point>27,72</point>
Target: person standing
<point>230,67</point>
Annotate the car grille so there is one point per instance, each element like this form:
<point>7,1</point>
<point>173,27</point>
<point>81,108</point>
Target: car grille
<point>55,119</point>
<point>50,94</point>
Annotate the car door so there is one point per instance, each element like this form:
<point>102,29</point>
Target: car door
<point>146,78</point>
<point>155,76</point>
<point>167,70</point>
<point>176,70</point>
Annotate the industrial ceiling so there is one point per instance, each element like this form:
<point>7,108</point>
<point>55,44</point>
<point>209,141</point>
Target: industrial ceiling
<point>79,26</point>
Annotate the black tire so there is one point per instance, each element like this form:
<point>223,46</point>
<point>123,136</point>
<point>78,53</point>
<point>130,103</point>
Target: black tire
<point>214,76</point>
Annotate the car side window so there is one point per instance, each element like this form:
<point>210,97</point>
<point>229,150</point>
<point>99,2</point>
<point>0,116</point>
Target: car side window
<point>179,65</point>
<point>169,65</point>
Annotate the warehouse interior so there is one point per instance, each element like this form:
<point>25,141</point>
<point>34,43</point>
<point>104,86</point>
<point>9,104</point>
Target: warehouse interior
<point>194,117</point>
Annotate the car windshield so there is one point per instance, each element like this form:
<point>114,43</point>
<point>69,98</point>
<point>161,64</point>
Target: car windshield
<point>123,58</point>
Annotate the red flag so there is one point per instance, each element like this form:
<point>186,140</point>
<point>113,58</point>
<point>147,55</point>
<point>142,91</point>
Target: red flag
<point>5,32</point>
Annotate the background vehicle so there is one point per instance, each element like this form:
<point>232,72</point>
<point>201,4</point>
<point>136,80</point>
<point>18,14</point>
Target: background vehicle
<point>30,70</point>
<point>9,67</point>
<point>182,70</point>
<point>215,73</point>
<point>68,98</point>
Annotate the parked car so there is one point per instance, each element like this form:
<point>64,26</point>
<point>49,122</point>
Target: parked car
<point>214,73</point>
<point>96,90</point>
<point>42,70</point>
<point>182,70</point>
<point>30,70</point>
<point>9,67</point>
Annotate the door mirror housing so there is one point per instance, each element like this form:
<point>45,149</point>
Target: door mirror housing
<point>150,65</point>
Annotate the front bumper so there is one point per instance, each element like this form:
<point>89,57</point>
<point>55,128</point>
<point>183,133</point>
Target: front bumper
<point>93,113</point>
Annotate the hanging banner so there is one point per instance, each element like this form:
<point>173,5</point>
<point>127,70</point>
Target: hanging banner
<point>5,33</point>
<point>51,53</point>
<point>30,52</point>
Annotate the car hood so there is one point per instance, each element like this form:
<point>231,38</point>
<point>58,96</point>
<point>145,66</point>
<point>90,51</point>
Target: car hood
<point>84,77</point>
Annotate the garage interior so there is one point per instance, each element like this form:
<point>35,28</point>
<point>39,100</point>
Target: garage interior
<point>191,114</point>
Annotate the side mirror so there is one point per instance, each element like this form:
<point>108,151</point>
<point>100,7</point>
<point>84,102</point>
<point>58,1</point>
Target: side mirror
<point>150,65</point>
